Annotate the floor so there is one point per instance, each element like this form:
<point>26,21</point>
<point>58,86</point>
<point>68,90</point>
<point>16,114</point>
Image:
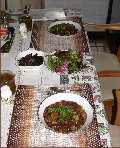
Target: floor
<point>99,45</point>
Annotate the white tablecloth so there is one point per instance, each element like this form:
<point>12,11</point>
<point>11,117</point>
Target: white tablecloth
<point>86,76</point>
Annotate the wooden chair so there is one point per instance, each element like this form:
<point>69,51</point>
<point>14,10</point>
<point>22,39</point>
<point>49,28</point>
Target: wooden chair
<point>114,127</point>
<point>108,67</point>
<point>103,26</point>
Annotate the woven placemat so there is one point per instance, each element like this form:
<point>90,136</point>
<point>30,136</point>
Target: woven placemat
<point>26,129</point>
<point>42,137</point>
<point>21,118</point>
<point>82,39</point>
<point>42,40</point>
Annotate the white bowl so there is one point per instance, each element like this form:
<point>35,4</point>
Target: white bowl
<point>67,97</point>
<point>77,26</point>
<point>29,68</point>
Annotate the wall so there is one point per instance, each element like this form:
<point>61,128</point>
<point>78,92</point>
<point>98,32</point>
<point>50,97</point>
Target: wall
<point>94,11</point>
<point>2,5</point>
<point>18,4</point>
<point>12,4</point>
<point>115,18</point>
<point>34,3</point>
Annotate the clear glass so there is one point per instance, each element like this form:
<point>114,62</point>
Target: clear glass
<point>8,78</point>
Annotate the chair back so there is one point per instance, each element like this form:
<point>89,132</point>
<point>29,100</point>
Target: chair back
<point>103,26</point>
<point>116,110</point>
<point>118,53</point>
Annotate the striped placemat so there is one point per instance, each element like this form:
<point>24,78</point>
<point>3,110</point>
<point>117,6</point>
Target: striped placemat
<point>21,118</point>
<point>42,40</point>
<point>26,129</point>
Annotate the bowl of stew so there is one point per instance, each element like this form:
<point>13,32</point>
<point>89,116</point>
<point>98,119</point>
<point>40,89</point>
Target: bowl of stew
<point>30,60</point>
<point>64,28</point>
<point>65,113</point>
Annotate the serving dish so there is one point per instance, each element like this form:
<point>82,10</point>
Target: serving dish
<point>55,28</point>
<point>64,61</point>
<point>74,98</point>
<point>28,58</point>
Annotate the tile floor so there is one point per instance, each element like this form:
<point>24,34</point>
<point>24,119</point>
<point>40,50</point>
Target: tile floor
<point>99,45</point>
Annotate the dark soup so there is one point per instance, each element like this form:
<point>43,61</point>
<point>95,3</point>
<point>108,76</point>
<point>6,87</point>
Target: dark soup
<point>65,116</point>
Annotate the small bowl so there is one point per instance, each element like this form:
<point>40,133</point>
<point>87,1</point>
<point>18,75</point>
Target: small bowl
<point>77,26</point>
<point>29,68</point>
<point>67,97</point>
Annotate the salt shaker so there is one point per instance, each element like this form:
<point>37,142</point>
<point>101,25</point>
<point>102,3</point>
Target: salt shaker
<point>23,30</point>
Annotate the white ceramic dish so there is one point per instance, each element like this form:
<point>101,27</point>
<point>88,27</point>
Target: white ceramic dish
<point>77,26</point>
<point>29,68</point>
<point>67,97</point>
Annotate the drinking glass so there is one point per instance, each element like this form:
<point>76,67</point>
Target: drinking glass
<point>7,83</point>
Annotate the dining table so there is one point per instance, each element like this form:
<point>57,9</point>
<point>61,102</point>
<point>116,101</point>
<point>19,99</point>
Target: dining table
<point>20,122</point>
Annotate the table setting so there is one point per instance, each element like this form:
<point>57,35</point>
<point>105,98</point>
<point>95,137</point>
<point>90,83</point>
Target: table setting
<point>53,70</point>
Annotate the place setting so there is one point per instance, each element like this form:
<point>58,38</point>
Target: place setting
<point>41,98</point>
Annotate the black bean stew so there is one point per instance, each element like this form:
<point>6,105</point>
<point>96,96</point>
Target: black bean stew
<point>65,116</point>
<point>64,29</point>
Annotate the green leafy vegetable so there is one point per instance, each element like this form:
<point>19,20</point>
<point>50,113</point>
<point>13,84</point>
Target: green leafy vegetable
<point>64,111</point>
<point>65,60</point>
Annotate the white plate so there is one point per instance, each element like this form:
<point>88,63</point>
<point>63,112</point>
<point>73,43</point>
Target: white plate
<point>67,97</point>
<point>77,26</point>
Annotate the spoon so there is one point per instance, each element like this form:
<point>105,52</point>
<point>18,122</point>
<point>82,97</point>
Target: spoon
<point>54,90</point>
